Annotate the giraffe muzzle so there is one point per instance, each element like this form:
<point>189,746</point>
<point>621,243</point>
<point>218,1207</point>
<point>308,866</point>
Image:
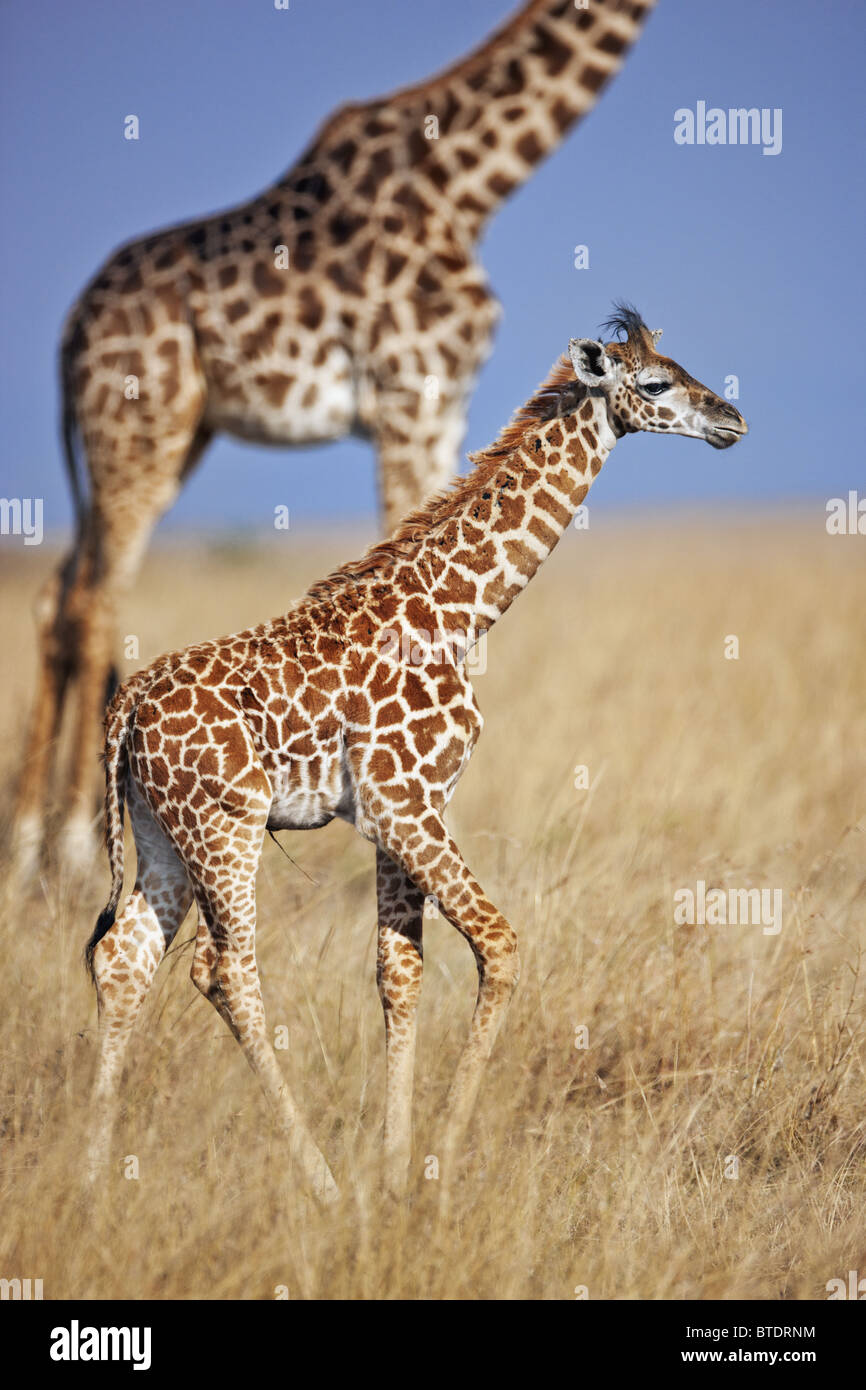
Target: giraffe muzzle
<point>722,436</point>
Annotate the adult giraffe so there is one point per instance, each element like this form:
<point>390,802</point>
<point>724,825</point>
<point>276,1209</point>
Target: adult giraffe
<point>346,298</point>
<point>357,704</point>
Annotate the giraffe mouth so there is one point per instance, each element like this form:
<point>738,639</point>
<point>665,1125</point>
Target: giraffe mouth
<point>723,436</point>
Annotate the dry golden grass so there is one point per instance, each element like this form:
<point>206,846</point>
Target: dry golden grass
<point>604,1166</point>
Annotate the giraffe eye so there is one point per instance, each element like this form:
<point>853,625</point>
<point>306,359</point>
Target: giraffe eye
<point>655,388</point>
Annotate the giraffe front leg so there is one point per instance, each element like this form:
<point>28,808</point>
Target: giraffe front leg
<point>434,864</point>
<point>424,357</point>
<point>418,443</point>
<point>398,974</point>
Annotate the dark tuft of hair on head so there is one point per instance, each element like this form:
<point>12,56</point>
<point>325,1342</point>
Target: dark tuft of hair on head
<point>624,322</point>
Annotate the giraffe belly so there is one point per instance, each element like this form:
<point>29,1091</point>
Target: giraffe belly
<point>284,401</point>
<point>307,795</point>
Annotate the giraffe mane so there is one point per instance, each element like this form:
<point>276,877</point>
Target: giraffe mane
<point>559,385</point>
<point>624,322</point>
<point>462,68</point>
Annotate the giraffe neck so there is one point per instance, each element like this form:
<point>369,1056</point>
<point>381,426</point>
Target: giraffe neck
<point>509,515</point>
<point>502,109</point>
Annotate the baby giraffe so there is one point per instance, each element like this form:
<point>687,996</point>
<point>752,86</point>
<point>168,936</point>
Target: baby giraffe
<point>357,704</point>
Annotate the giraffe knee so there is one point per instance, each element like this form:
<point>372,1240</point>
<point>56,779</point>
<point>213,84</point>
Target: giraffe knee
<point>399,969</point>
<point>104,961</point>
<point>216,970</point>
<point>203,971</point>
<point>54,635</point>
<point>47,608</point>
<point>123,966</point>
<point>499,960</point>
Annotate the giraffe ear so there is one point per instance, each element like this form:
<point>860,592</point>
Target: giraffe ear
<point>591,363</point>
<point>655,334</point>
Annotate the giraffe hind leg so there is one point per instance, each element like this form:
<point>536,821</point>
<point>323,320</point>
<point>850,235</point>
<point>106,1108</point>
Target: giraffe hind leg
<point>54,671</point>
<point>125,959</point>
<point>133,485</point>
<point>398,973</point>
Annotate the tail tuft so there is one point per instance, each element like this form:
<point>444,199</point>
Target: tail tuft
<point>104,923</point>
<point>112,684</point>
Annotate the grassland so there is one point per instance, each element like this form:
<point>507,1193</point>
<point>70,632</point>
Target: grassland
<point>607,1166</point>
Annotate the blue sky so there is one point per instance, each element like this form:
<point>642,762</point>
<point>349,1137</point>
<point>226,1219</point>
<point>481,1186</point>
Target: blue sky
<point>752,264</point>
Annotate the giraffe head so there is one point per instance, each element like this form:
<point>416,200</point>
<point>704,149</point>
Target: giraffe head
<point>646,391</point>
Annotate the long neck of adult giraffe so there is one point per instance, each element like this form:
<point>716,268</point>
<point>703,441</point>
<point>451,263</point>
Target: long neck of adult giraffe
<point>501,110</point>
<point>509,514</point>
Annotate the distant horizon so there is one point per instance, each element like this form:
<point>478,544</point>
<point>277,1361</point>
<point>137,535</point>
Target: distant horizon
<point>691,512</point>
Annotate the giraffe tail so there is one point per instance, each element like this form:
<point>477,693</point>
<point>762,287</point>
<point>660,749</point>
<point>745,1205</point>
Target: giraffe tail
<point>117,721</point>
<point>68,423</point>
